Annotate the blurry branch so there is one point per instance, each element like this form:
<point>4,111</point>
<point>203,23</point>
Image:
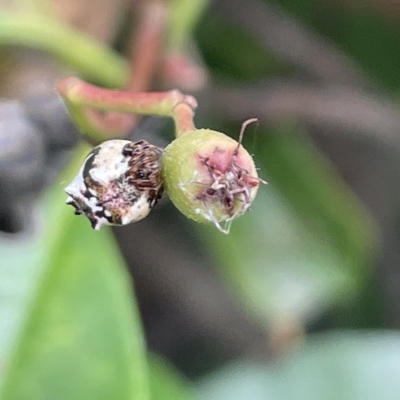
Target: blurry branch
<point>364,114</point>
<point>145,45</point>
<point>291,41</point>
<point>93,61</point>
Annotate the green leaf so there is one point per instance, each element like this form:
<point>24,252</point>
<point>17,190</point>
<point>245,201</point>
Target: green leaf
<point>365,31</point>
<point>234,55</point>
<point>342,365</point>
<point>318,195</point>
<point>21,257</point>
<point>80,337</point>
<point>165,381</point>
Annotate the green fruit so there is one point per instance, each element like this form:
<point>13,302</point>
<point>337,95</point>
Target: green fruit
<point>209,177</point>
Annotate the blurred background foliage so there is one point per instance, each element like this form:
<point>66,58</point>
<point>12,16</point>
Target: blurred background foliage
<point>300,301</point>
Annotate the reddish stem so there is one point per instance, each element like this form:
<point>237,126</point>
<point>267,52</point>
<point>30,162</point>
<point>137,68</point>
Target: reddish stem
<point>145,46</point>
<point>183,117</point>
<point>79,94</point>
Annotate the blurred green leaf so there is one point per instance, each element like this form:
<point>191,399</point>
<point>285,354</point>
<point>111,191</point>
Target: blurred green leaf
<point>363,33</point>
<point>182,19</point>
<point>165,381</point>
<point>233,54</point>
<point>344,365</point>
<point>20,260</point>
<point>305,245</point>
<point>318,195</point>
<point>79,52</point>
<point>81,336</point>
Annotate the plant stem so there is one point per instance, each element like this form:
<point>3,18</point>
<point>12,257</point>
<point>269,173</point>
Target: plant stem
<point>174,104</point>
<point>145,46</point>
<point>183,118</point>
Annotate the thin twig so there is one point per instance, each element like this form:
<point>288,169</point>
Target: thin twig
<point>362,113</point>
<point>145,45</point>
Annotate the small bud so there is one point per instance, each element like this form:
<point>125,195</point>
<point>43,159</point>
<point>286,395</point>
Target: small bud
<point>119,183</point>
<point>209,177</point>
